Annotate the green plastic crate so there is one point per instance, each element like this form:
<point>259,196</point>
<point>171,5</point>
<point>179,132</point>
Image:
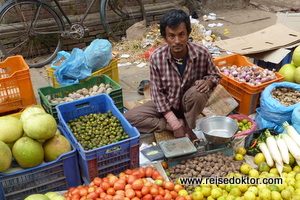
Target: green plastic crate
<point>56,92</point>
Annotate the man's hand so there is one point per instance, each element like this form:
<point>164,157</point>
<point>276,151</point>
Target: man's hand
<point>203,86</point>
<point>180,132</point>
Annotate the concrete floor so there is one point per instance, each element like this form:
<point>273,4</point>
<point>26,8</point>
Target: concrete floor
<point>237,23</point>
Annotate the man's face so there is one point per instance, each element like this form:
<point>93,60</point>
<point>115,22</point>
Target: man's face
<point>177,40</point>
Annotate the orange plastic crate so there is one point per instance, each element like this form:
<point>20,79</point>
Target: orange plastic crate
<point>16,91</point>
<point>247,95</point>
<point>111,70</point>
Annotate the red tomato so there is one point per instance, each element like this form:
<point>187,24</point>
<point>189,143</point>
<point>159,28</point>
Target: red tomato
<point>75,191</point>
<point>108,197</point>
<point>147,197</point>
<point>131,178</point>
<point>148,171</point>
<point>145,190</point>
<point>178,187</point>
<point>180,198</point>
<point>105,185</point>
<point>148,183</point>
<point>159,177</point>
<point>83,198</point>
<point>92,195</point>
<point>119,185</point>
<point>174,194</point>
<point>130,193</point>
<point>111,191</point>
<point>128,171</point>
<point>137,184</point>
<point>71,189</point>
<point>154,191</point>
<point>97,181</point>
<point>142,172</point>
<point>120,192</point>
<point>75,196</point>
<point>188,197</point>
<point>168,196</point>
<point>136,173</point>
<point>138,194</point>
<point>128,186</point>
<point>112,180</point>
<point>161,191</point>
<point>135,198</point>
<point>91,189</point>
<point>118,197</point>
<point>83,191</point>
<point>99,190</point>
<point>158,197</point>
<point>102,195</point>
<point>155,174</point>
<point>168,185</point>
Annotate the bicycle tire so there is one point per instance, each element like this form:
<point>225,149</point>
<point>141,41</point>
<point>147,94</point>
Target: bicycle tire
<point>117,16</point>
<point>20,35</point>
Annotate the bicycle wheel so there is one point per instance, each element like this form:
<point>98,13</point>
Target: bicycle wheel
<point>31,29</point>
<point>118,15</point>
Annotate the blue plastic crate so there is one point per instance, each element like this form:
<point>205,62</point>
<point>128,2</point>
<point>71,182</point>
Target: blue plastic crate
<point>99,162</point>
<point>56,175</point>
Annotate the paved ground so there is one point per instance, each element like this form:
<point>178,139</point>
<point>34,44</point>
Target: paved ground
<point>235,23</point>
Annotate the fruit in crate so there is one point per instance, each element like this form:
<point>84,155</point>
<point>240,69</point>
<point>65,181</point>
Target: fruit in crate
<point>56,146</point>
<point>28,152</point>
<point>5,157</point>
<point>11,129</point>
<point>40,126</point>
<point>31,110</point>
<point>37,197</point>
<point>288,71</point>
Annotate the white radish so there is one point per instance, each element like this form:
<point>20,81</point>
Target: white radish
<point>284,151</point>
<point>279,168</point>
<point>298,162</point>
<point>264,149</point>
<point>291,131</point>
<point>273,148</point>
<point>292,146</point>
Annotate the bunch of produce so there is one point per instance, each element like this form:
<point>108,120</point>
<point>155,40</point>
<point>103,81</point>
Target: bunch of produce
<point>47,196</point>
<point>95,130</point>
<point>81,93</point>
<point>276,149</point>
<point>30,140</point>
<point>211,165</point>
<point>130,184</point>
<point>243,124</point>
<point>287,96</point>
<point>291,71</point>
<point>251,75</point>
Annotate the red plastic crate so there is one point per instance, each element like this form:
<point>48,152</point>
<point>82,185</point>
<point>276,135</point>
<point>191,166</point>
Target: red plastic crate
<point>16,91</point>
<point>246,94</point>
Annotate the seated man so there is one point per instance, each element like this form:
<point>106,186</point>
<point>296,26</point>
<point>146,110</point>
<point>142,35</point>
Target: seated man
<point>182,75</point>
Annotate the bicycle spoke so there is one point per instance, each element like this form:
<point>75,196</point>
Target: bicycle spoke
<point>117,16</point>
<point>30,29</point>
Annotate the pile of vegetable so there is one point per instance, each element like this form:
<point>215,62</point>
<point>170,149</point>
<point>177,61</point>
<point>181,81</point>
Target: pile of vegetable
<point>211,165</point>
<point>95,130</point>
<point>130,184</point>
<point>287,96</point>
<point>251,75</point>
<point>276,148</point>
<point>81,93</point>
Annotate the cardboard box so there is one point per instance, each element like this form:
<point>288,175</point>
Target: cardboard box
<point>269,47</point>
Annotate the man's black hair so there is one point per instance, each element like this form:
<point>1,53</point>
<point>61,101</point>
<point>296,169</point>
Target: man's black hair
<point>172,19</point>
